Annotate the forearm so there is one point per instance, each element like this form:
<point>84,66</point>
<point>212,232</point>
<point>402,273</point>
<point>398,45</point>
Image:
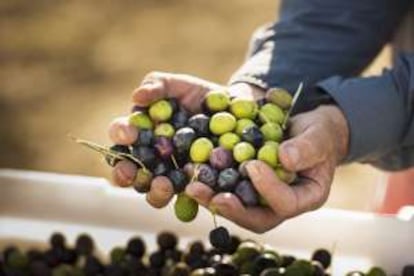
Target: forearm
<point>379,111</point>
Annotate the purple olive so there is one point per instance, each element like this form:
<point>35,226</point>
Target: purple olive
<point>164,147</point>
<point>207,175</point>
<point>221,158</point>
<point>247,193</point>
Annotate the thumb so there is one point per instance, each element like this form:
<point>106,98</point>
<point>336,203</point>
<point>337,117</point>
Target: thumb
<point>305,150</point>
<point>276,193</point>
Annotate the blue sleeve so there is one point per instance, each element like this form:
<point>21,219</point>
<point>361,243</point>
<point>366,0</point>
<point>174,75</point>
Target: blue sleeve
<point>314,40</point>
<point>380,114</point>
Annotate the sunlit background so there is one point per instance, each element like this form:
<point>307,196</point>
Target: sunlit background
<point>68,67</point>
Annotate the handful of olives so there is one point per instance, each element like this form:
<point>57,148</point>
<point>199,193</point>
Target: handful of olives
<point>211,147</point>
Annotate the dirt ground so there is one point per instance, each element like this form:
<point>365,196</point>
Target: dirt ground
<point>68,67</point>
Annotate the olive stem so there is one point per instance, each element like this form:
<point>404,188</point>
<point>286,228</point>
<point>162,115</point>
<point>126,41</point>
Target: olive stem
<point>105,151</point>
<point>214,220</point>
<point>133,158</point>
<point>195,174</point>
<point>174,161</point>
<point>213,212</point>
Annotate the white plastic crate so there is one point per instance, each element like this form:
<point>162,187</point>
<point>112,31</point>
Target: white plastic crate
<point>35,204</point>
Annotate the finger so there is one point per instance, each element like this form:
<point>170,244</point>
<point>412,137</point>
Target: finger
<point>161,192</point>
<point>305,150</point>
<point>193,101</point>
<point>286,200</point>
<point>121,132</point>
<point>123,174</point>
<point>279,195</point>
<point>257,219</point>
<point>189,90</point>
<point>313,188</point>
<point>200,192</point>
<point>151,89</point>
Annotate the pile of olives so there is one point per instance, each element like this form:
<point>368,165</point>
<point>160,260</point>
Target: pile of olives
<point>168,259</point>
<point>211,147</point>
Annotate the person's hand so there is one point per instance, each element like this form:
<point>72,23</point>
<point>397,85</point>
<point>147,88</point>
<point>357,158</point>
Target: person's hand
<point>319,141</point>
<point>189,91</point>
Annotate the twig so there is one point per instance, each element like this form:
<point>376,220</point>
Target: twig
<point>105,151</point>
<point>292,106</point>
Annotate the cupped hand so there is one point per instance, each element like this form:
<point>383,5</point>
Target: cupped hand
<point>319,142</point>
<point>189,91</point>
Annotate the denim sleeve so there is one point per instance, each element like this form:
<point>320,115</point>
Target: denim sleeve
<point>315,39</point>
<point>380,114</point>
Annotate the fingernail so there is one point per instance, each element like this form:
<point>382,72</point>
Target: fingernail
<point>293,155</point>
<point>253,169</point>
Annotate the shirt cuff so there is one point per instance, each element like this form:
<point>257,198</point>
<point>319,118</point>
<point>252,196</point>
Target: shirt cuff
<point>374,111</point>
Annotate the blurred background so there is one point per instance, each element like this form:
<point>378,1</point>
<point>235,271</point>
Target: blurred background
<point>68,67</point>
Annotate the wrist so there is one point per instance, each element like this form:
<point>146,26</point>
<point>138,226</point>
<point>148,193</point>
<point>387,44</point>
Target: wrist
<point>340,129</point>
